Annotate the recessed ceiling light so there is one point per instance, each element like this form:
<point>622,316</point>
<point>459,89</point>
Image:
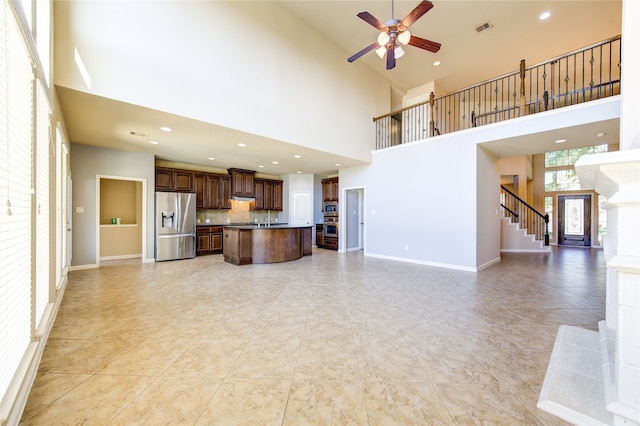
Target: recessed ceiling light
<point>561,140</point>
<point>601,134</point>
<point>296,156</point>
<point>436,63</point>
<point>298,172</point>
<point>544,15</point>
<point>165,129</point>
<point>274,162</point>
<point>154,142</point>
<point>261,166</point>
<point>337,164</point>
<point>242,145</point>
<point>211,158</point>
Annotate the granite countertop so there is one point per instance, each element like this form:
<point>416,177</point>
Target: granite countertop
<point>263,226</point>
<point>226,224</point>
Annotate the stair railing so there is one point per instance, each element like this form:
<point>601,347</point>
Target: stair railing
<point>583,75</point>
<point>526,216</point>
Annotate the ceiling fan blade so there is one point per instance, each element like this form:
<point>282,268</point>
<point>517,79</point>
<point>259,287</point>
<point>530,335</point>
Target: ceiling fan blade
<point>372,20</point>
<point>422,43</point>
<point>416,13</point>
<point>363,51</point>
<point>391,57</point>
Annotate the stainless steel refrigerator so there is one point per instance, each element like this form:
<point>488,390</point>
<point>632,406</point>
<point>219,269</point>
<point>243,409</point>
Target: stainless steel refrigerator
<point>175,226</point>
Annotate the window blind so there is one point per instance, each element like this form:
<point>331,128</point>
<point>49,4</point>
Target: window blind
<point>15,195</point>
<point>43,140</point>
<point>58,154</point>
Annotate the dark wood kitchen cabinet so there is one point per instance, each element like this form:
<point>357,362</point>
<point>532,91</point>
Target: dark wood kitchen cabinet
<point>208,240</point>
<point>319,235</point>
<point>330,189</point>
<point>307,241</point>
<point>237,246</point>
<point>174,180</point>
<point>242,183</point>
<point>224,188</point>
<point>330,243</point>
<point>277,195</point>
<point>268,194</point>
<point>212,191</point>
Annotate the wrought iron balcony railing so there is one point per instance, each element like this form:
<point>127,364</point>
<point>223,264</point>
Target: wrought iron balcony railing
<point>580,76</point>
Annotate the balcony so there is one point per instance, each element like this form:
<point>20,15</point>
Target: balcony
<point>587,74</point>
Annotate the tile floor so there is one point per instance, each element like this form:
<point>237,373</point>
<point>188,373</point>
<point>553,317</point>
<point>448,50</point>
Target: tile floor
<point>330,339</point>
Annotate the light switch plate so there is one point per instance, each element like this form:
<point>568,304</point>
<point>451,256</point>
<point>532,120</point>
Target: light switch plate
<point>79,209</point>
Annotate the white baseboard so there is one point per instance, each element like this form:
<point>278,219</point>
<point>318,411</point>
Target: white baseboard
<point>120,257</point>
<point>82,267</point>
<point>424,262</point>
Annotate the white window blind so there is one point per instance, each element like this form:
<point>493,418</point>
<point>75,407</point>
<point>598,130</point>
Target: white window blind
<point>58,154</point>
<point>43,140</point>
<point>15,195</point>
<point>61,209</point>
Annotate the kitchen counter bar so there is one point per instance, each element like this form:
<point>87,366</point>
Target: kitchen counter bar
<point>245,244</point>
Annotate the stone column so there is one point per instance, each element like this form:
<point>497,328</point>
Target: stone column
<point>616,175</point>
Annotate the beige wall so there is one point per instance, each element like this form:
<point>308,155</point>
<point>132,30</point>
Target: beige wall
<point>123,199</point>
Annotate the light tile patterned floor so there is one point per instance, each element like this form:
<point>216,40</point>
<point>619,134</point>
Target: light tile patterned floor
<point>330,339</point>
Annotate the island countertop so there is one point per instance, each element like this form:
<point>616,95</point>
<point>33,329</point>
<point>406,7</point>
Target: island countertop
<point>265,226</point>
<point>245,244</point>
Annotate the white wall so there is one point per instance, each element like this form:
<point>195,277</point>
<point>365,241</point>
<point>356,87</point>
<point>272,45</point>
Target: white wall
<point>487,208</point>
<point>250,66</point>
<point>302,182</point>
<point>87,162</point>
<point>417,209</point>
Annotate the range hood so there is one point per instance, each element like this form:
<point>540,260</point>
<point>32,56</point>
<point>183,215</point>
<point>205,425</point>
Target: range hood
<point>236,198</point>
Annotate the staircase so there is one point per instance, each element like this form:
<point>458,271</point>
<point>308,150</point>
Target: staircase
<point>522,228</point>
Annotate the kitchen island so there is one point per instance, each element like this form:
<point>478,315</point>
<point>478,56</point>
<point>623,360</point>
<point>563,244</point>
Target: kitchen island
<point>266,244</point>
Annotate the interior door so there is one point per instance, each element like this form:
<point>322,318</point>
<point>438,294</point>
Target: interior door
<point>574,220</point>
<point>301,210</point>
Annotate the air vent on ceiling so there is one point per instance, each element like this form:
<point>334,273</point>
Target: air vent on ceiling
<point>140,134</point>
<point>484,26</point>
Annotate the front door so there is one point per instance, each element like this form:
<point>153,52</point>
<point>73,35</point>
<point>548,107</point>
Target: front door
<point>574,220</point>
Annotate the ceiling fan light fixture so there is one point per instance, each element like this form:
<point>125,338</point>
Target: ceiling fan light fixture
<point>383,38</point>
<point>399,52</point>
<point>404,37</point>
<point>380,51</point>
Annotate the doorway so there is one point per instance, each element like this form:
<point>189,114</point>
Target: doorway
<point>574,220</point>
<point>354,219</point>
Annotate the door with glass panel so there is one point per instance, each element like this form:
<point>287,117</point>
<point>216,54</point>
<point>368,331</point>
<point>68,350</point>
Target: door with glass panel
<point>574,220</point>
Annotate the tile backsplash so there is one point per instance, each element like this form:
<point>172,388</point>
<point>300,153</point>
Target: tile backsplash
<point>240,212</point>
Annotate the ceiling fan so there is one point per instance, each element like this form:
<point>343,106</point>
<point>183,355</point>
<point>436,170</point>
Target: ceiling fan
<point>395,33</point>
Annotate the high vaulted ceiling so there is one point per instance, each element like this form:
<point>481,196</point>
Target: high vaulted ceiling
<point>466,57</point>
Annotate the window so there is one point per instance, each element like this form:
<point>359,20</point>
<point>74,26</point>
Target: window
<point>563,176</point>
<point>25,149</point>
<point>548,209</point>
<point>16,118</point>
<point>602,218</point>
<point>568,157</point>
<point>561,180</point>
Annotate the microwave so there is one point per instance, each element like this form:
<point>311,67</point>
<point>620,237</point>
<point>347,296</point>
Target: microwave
<point>331,208</point>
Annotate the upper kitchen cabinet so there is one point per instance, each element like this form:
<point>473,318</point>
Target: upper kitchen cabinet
<point>268,194</point>
<point>242,183</point>
<point>330,189</point>
<point>174,180</point>
<point>212,191</point>
<point>224,188</point>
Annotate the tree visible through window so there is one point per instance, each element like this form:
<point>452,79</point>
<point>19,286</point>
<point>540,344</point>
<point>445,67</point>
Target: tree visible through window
<point>564,178</point>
